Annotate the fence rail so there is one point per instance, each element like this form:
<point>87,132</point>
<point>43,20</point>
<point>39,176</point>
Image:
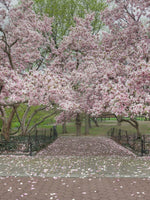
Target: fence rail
<point>28,144</point>
<point>140,146</point>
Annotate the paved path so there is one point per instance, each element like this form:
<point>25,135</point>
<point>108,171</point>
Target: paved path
<point>82,168</point>
<point>85,146</point>
<point>14,188</point>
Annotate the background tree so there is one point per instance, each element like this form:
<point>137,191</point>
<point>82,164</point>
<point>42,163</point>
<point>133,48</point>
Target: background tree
<point>64,12</point>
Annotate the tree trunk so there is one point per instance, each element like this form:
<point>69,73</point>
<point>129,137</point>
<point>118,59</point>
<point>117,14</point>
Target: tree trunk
<point>136,126</point>
<point>78,125</point>
<point>26,121</point>
<point>64,128</point>
<point>133,123</point>
<point>95,121</point>
<point>119,120</point>
<point>23,130</point>
<point>6,126</point>
<point>86,124</point>
<point>138,132</point>
<point>89,122</point>
<point>149,117</point>
<point>5,130</point>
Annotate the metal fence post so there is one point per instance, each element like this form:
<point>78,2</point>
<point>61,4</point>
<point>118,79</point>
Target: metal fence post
<point>142,147</point>
<point>119,135</point>
<point>51,132</point>
<point>127,137</point>
<point>44,135</point>
<point>36,139</point>
<point>112,132</point>
<point>30,148</point>
<point>30,145</point>
<point>54,132</point>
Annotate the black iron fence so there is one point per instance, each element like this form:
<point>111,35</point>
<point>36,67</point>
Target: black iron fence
<point>28,144</point>
<point>140,146</point>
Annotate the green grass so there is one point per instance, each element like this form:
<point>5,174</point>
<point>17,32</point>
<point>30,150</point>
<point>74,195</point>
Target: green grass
<point>144,127</point>
<point>104,126</point>
<point>102,130</point>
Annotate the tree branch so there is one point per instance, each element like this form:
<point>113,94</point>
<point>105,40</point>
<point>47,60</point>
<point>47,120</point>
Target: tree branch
<point>125,120</point>
<point>2,113</point>
<point>7,49</point>
<point>14,43</point>
<point>41,121</point>
<point>17,115</point>
<point>11,104</point>
<point>132,16</point>
<point>33,114</point>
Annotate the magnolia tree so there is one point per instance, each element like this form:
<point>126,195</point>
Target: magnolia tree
<point>78,59</point>
<point>37,88</point>
<point>25,40</point>
<point>24,36</point>
<point>82,75</point>
<point>125,50</point>
<point>128,40</point>
<point>48,90</point>
<point>9,80</point>
<point>20,43</point>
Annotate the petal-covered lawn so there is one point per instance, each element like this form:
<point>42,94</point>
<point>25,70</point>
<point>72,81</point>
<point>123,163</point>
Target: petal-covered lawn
<point>74,166</point>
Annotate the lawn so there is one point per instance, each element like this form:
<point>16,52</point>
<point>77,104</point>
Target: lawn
<point>102,130</point>
<point>104,126</point>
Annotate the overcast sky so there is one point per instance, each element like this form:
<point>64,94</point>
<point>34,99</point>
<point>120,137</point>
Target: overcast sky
<point>14,1</point>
